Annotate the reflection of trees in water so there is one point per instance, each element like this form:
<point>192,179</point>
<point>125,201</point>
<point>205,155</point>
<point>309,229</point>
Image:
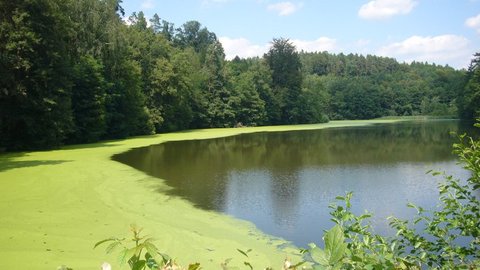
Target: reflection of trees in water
<point>285,195</point>
<point>198,170</point>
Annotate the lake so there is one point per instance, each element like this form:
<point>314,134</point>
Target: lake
<point>283,182</point>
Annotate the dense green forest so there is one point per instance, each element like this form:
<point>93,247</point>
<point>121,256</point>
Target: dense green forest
<point>76,72</point>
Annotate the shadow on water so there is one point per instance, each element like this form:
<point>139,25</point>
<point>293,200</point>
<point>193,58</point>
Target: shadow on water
<point>8,164</point>
<point>284,181</point>
<point>90,145</point>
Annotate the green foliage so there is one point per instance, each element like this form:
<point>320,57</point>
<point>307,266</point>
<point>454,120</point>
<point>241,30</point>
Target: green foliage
<point>287,78</point>
<point>335,250</point>
<point>362,87</point>
<point>249,106</point>
<point>366,250</point>
<point>88,101</point>
<point>456,221</point>
<point>125,103</point>
<point>140,253</point>
<point>469,99</point>
<point>315,100</point>
<point>35,82</point>
<point>220,106</point>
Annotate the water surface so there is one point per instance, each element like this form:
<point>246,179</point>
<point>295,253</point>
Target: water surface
<point>283,182</point>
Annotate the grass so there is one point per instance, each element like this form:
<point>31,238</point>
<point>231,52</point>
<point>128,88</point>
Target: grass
<point>55,205</point>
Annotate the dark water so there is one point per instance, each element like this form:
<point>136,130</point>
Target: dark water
<point>283,182</point>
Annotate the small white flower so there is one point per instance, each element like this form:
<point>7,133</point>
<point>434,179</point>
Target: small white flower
<point>105,266</point>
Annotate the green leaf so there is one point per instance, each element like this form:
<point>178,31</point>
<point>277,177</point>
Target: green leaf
<point>319,256</point>
<point>335,244</point>
<point>195,266</point>
<point>165,257</point>
<point>303,251</point>
<point>112,247</point>
<point>104,241</point>
<point>366,240</point>
<point>151,248</point>
<point>249,265</point>
<point>151,262</point>
<point>364,216</point>
<point>126,255</point>
<point>423,255</point>
<point>296,265</point>
<point>139,265</point>
<point>244,252</point>
<point>392,247</point>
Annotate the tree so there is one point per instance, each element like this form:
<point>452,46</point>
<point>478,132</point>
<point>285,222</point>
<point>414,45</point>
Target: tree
<point>162,27</point>
<point>138,21</point>
<point>220,104</point>
<point>150,51</point>
<point>35,84</point>
<point>262,79</point>
<point>315,100</point>
<point>88,101</point>
<point>127,114</point>
<point>192,34</point>
<point>285,64</point>
<point>174,91</point>
<point>249,108</point>
<point>469,98</point>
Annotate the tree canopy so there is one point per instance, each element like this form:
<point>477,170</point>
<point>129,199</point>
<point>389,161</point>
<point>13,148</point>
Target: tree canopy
<point>77,71</point>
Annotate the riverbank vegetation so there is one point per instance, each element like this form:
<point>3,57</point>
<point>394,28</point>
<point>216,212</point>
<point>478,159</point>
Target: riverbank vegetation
<point>79,72</point>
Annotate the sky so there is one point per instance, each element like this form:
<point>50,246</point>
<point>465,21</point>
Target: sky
<point>445,32</point>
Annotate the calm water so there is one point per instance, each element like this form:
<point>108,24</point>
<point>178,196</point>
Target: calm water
<point>283,182</point>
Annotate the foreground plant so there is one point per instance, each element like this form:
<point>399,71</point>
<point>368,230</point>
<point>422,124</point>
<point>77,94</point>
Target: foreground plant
<point>141,253</point>
<point>451,238</point>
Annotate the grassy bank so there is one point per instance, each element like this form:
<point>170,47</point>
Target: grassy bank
<point>56,204</point>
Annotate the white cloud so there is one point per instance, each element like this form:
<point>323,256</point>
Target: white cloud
<point>241,47</point>
<point>284,8</point>
<point>384,9</point>
<point>445,49</point>
<point>474,22</point>
<point>319,45</point>
<point>148,4</point>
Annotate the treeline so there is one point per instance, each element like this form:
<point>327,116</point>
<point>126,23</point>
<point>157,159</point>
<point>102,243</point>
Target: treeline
<point>362,87</point>
<point>75,72</point>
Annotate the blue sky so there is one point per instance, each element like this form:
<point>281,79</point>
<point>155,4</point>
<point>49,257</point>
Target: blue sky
<point>438,31</point>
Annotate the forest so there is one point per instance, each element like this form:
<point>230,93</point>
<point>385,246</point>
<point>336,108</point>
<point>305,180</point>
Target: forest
<point>81,71</point>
